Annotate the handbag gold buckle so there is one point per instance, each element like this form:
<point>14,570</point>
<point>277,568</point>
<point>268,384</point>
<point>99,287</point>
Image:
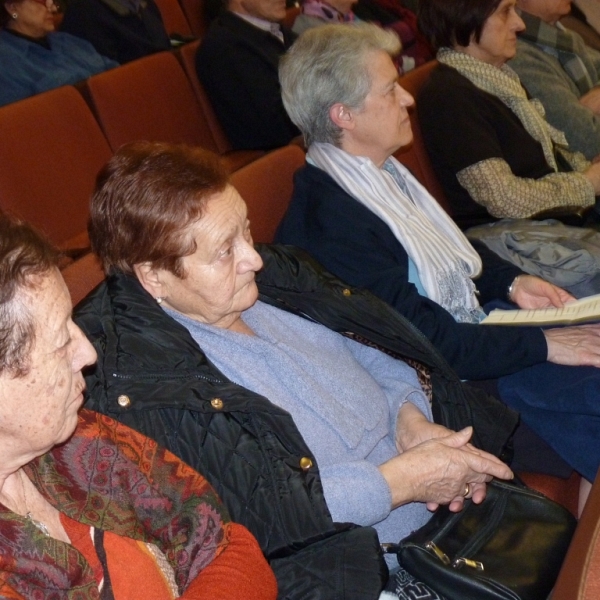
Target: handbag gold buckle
<point>474,564</point>
<point>438,552</point>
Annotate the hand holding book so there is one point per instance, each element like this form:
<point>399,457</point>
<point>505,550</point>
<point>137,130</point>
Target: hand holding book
<point>585,310</point>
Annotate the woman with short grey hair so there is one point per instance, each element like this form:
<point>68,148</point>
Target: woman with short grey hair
<point>363,215</point>
<point>338,73</point>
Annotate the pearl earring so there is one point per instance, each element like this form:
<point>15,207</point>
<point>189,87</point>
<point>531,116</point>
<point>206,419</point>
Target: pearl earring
<point>159,300</point>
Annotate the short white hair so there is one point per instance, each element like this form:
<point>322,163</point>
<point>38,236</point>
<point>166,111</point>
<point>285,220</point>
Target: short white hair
<point>327,65</point>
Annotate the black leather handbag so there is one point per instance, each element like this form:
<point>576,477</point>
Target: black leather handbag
<point>509,547</point>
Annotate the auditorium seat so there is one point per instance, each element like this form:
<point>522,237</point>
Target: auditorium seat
<point>266,185</point>
<point>152,99</point>
<point>579,577</point>
<point>173,17</point>
<point>563,491</point>
<point>82,276</point>
<point>290,15</point>
<point>415,157</point>
<point>194,12</point>
<point>51,151</point>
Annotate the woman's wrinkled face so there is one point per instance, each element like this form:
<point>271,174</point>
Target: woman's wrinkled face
<point>39,409</point>
<point>549,11</point>
<point>218,283</point>
<point>382,124</point>
<point>498,42</point>
<point>34,18</point>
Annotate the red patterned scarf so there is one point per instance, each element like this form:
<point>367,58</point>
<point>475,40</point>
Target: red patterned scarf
<point>114,479</point>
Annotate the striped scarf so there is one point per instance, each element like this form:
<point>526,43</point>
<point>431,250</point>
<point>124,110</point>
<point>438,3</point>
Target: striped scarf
<point>445,261</point>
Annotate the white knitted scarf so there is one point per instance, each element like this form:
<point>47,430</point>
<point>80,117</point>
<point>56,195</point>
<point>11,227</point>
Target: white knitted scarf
<point>444,258</point>
<point>505,84</point>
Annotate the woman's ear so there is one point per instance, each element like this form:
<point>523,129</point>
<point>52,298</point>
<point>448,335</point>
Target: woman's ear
<point>342,116</point>
<point>150,279</point>
<point>10,7</point>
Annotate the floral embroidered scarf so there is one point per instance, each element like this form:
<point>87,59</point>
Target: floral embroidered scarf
<point>115,479</point>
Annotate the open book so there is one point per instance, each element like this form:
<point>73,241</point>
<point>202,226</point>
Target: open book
<point>585,310</point>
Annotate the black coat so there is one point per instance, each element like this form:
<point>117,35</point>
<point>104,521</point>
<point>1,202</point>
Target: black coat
<point>351,241</point>
<point>237,65</point>
<point>249,449</point>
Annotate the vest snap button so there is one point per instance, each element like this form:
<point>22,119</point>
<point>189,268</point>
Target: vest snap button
<point>216,403</point>
<point>305,463</point>
<point>124,401</point>
<point>346,292</point>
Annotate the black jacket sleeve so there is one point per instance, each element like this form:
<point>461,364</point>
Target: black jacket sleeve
<point>356,246</point>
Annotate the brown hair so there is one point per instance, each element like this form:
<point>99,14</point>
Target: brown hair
<point>145,198</point>
<point>447,23</point>
<point>24,254</point>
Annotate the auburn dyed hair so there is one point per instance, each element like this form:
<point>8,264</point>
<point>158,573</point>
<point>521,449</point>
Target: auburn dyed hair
<point>145,198</point>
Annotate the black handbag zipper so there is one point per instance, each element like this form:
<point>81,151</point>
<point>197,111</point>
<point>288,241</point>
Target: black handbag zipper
<point>462,558</point>
<point>475,544</point>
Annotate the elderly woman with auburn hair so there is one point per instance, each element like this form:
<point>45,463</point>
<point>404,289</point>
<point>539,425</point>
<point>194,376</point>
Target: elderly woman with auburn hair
<point>295,425</point>
<point>88,507</point>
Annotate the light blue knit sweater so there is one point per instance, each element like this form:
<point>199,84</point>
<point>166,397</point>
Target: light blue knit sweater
<point>344,398</point>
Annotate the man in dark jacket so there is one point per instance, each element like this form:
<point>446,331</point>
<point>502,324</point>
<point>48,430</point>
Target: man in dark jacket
<point>237,65</point>
<point>249,449</point>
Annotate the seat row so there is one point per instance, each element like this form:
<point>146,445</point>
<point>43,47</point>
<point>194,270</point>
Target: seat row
<point>184,17</point>
<point>55,143</point>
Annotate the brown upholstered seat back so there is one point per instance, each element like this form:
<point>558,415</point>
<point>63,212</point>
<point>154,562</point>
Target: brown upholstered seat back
<point>579,577</point>
<point>173,17</point>
<point>266,185</point>
<point>149,99</point>
<point>415,156</point>
<point>194,12</point>
<point>152,99</point>
<point>82,276</point>
<point>52,149</point>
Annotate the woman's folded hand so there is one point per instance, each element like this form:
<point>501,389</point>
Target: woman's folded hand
<point>438,470</point>
<point>413,428</point>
